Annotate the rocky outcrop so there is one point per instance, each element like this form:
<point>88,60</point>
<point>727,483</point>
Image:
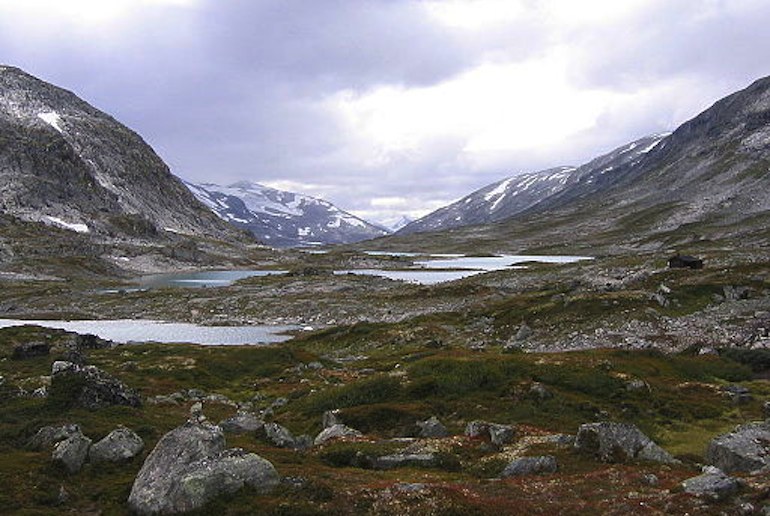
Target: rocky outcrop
<point>745,449</point>
<point>530,466</point>
<point>619,442</point>
<point>72,452</point>
<point>497,434</point>
<point>120,445</point>
<point>432,428</point>
<point>190,466</point>
<point>713,483</point>
<point>89,387</point>
<point>337,431</point>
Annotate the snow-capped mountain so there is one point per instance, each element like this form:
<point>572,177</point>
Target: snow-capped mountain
<point>522,192</point>
<point>283,219</point>
<point>68,165</point>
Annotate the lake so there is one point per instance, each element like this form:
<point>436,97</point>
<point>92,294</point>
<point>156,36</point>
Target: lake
<point>126,331</point>
<point>201,279</point>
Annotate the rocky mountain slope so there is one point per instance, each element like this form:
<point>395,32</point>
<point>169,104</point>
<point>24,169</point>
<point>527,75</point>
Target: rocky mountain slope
<point>705,181</point>
<point>522,192</point>
<point>283,219</point>
<point>66,164</point>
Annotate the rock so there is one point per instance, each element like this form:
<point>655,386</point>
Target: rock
<point>242,423</point>
<point>196,412</point>
<point>712,484</point>
<point>400,460</point>
<point>619,442</point>
<point>524,333</point>
<point>738,394</point>
<point>331,418</point>
<point>650,479</point>
<point>637,385</point>
<point>432,428</point>
<point>30,350</point>
<point>48,436</point>
<point>497,434</point>
<point>336,432</point>
<point>279,436</point>
<point>72,452</point>
<point>120,445</point>
<point>766,409</point>
<point>736,293</point>
<point>278,403</point>
<point>75,356</point>
<point>539,391</point>
<point>530,466</point>
<point>189,467</point>
<point>63,496</point>
<point>745,449</point>
<point>303,442</point>
<point>89,387</point>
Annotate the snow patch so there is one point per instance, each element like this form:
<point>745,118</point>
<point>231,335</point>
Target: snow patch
<point>76,227</point>
<point>53,119</point>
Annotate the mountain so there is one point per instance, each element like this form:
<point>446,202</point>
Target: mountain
<point>72,179</point>
<point>522,192</point>
<point>283,219</point>
<point>705,182</point>
<point>399,222</point>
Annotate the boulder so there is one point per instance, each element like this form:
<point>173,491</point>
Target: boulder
<point>89,387</point>
<point>336,432</point>
<point>48,436</point>
<point>432,428</point>
<point>745,449</point>
<point>713,483</point>
<point>242,423</point>
<point>524,333</point>
<point>279,435</point>
<point>72,452</point>
<point>189,466</point>
<point>619,442</point>
<point>530,466</point>
<point>497,434</point>
<point>738,394</point>
<point>120,445</point>
<point>539,392</point>
<point>400,460</point>
<point>331,418</point>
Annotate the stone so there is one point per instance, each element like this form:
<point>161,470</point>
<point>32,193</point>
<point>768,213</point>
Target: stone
<point>242,423</point>
<point>712,484</point>
<point>29,350</point>
<point>89,387</point>
<point>539,391</point>
<point>331,418</point>
<point>72,452</point>
<point>619,442</point>
<point>400,460</point>
<point>189,466</point>
<point>497,434</point>
<point>766,409</point>
<point>48,436</point>
<point>120,445</point>
<point>432,428</point>
<point>738,394</point>
<point>637,385</point>
<point>336,432</point>
<point>530,466</point>
<point>745,449</point>
<point>524,333</point>
<point>650,479</point>
<point>279,436</point>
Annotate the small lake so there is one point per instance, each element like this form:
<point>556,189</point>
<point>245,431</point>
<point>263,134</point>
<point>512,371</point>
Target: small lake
<point>455,267</point>
<point>200,279</point>
<point>139,331</point>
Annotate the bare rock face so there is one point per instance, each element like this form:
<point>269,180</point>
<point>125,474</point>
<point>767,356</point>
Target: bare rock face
<point>190,466</point>
<point>89,387</point>
<point>619,442</point>
<point>120,445</point>
<point>745,449</point>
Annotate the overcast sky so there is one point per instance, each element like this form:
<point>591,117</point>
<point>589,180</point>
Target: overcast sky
<point>389,107</point>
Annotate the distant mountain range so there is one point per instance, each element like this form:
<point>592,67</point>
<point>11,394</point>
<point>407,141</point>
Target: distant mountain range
<point>283,219</point>
<point>522,192</point>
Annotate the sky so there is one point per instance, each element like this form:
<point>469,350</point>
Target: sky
<point>389,107</point>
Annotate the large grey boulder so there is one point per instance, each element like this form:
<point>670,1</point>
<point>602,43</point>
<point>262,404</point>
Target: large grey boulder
<point>279,436</point>
<point>331,418</point>
<point>530,466</point>
<point>337,431</point>
<point>72,452</point>
<point>120,445</point>
<point>189,466</point>
<point>48,436</point>
<point>89,387</point>
<point>745,449</point>
<point>713,483</point>
<point>432,428</point>
<point>619,442</point>
<point>498,434</point>
<point>242,423</point>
